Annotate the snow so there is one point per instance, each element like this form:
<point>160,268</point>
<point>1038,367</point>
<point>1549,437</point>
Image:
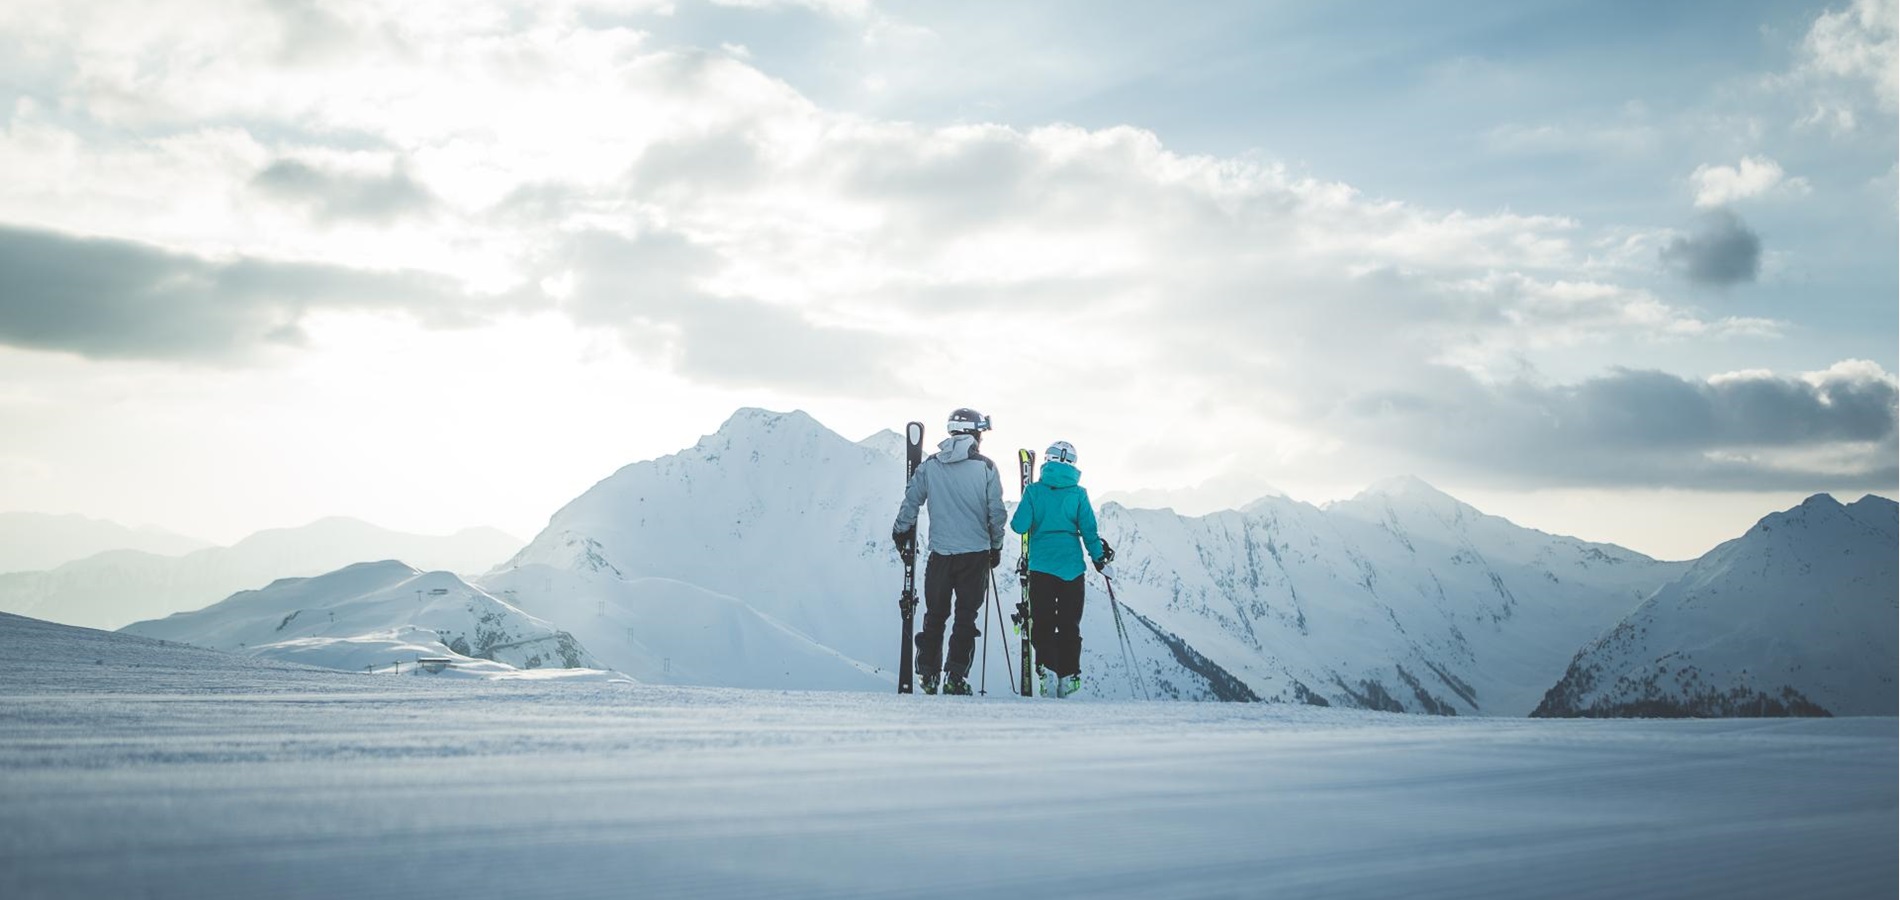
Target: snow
<point>1801,613</point>
<point>376,614</point>
<point>134,768</point>
<point>663,631</point>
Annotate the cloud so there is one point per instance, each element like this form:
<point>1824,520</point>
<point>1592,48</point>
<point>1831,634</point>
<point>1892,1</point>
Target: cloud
<point>1717,186</point>
<point>1720,251</point>
<point>333,195</point>
<point>725,226</point>
<point>112,299</point>
<point>653,289</point>
<point>1857,44</point>
<point>1743,431</point>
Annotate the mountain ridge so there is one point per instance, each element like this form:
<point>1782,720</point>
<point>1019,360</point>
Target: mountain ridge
<point>1797,616</point>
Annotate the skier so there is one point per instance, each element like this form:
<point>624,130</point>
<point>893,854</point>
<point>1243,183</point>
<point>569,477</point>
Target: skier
<point>1055,513</point>
<point>965,494</point>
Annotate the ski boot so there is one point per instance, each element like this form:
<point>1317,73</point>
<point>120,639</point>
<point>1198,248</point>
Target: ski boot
<point>930,684</point>
<point>1048,682</point>
<point>957,687</point>
<point>1069,686</point>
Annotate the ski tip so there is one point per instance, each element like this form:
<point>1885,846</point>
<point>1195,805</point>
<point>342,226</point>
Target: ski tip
<point>914,432</point>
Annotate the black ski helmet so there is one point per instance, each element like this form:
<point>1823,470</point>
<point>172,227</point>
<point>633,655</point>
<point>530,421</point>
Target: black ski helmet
<point>967,421</point>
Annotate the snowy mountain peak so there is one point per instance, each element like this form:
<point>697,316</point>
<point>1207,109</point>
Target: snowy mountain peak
<point>1796,617</point>
<point>887,442</point>
<point>751,423</point>
<point>1823,511</point>
<point>363,576</point>
<point>1407,498</point>
<point>1271,500</point>
<point>1410,487</point>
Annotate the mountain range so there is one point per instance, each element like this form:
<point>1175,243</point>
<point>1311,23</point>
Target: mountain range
<point>761,557</point>
<point>1795,617</point>
<point>113,588</point>
<point>31,542</point>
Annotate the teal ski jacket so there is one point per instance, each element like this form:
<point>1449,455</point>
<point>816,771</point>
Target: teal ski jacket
<point>1055,512</point>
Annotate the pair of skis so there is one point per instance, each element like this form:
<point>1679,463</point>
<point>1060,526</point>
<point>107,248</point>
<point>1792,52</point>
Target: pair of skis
<point>907,601</point>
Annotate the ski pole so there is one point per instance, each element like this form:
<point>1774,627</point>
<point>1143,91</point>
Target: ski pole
<point>998,597</point>
<point>1128,645</point>
<point>983,680</point>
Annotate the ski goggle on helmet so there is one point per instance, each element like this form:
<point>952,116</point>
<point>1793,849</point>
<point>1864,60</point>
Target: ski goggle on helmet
<point>967,421</point>
<point>1060,451</point>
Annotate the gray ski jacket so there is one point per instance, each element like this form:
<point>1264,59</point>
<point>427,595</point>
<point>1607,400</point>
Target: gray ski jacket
<point>966,499</point>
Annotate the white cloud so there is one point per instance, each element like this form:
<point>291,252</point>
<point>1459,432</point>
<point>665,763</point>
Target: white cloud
<point>1857,44</point>
<point>1752,177</point>
<point>726,230</point>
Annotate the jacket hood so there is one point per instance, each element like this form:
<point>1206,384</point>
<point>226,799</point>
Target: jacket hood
<point>956,448</point>
<point>1060,475</point>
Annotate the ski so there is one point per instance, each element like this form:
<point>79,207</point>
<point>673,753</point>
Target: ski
<point>1026,461</point>
<point>907,601</point>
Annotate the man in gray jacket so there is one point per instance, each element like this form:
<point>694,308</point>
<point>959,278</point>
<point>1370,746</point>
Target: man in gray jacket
<point>965,494</point>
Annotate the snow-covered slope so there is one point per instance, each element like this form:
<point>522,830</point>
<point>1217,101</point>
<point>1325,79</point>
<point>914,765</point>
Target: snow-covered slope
<point>111,589</point>
<point>1402,598</point>
<point>665,631</point>
<point>1796,617</point>
<point>373,615</point>
<point>130,769</point>
<point>773,519</point>
<point>31,542</point>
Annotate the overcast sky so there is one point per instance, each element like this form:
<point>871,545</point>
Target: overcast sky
<point>1619,270</point>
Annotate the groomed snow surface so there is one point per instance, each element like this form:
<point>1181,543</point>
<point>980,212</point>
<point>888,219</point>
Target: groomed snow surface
<point>132,768</point>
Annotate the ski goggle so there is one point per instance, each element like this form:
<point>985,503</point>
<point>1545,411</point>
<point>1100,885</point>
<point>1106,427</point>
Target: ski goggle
<point>982,423</point>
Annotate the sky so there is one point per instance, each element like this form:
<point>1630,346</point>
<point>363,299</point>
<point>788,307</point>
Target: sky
<point>1626,271</point>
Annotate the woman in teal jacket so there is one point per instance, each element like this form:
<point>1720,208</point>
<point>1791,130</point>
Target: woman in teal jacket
<point>1056,515</point>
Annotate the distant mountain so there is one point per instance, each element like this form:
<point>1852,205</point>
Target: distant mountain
<point>110,589</point>
<point>777,529</point>
<point>1796,617</point>
<point>1229,491</point>
<point>35,541</point>
<point>372,615</point>
<point>1401,599</point>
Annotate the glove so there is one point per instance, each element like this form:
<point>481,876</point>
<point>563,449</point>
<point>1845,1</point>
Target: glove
<point>1108,556</point>
<point>906,543</point>
<point>1107,570</point>
<point>996,557</point>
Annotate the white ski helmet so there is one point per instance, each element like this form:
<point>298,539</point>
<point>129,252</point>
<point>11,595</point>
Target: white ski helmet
<point>1061,451</point>
<point>967,421</point>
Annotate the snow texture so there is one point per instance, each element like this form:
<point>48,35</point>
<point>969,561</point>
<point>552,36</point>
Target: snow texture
<point>1798,617</point>
<point>132,768</point>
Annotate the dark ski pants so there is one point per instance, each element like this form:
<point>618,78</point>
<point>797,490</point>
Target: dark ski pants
<point>963,575</point>
<point>1056,607</point>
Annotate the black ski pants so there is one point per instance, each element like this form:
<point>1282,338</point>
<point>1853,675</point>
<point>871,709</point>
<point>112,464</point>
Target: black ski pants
<point>1055,605</point>
<point>963,575</point>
